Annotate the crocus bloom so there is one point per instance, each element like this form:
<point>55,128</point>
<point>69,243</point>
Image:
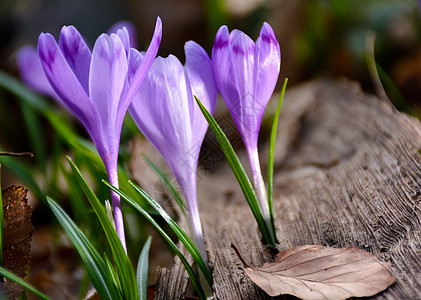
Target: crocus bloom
<point>94,87</point>
<point>168,116</point>
<point>246,74</point>
<point>32,72</point>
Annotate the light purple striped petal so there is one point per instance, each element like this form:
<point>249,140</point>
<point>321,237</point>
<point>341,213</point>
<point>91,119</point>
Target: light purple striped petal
<point>32,73</point>
<point>202,81</point>
<point>124,37</point>
<point>160,110</point>
<point>107,77</point>
<point>76,53</point>
<point>146,63</point>
<point>222,66</point>
<point>64,81</point>
<point>268,65</point>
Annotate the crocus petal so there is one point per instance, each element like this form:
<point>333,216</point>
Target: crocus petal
<point>76,53</point>
<point>130,29</point>
<point>146,63</point>
<point>64,81</point>
<point>106,81</point>
<point>32,73</point>
<point>124,37</point>
<point>160,110</point>
<point>222,66</point>
<point>268,65</point>
<point>202,81</point>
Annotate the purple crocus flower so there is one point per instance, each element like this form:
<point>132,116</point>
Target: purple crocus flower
<point>166,113</point>
<point>32,72</point>
<point>246,74</point>
<point>95,88</point>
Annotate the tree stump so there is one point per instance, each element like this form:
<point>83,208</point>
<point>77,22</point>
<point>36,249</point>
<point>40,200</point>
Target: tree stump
<point>347,173</point>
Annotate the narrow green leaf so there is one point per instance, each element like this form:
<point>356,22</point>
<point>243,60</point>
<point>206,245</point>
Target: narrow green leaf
<point>240,174</point>
<point>190,272</point>
<point>35,135</point>
<point>271,158</point>
<point>111,273</point>
<point>182,236</point>
<point>142,270</point>
<point>93,262</point>
<point>123,266</point>
<point>14,86</point>
<point>12,277</point>
<point>168,184</point>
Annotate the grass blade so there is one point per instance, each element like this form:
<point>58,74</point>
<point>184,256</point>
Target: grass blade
<point>168,184</point>
<point>142,270</point>
<point>12,277</point>
<point>271,158</point>
<point>93,262</point>
<point>123,266</point>
<point>182,236</point>
<point>35,135</point>
<point>240,174</point>
<point>173,246</point>
<point>20,90</point>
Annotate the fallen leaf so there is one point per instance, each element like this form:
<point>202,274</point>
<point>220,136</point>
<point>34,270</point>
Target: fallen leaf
<point>317,272</point>
<point>17,235</point>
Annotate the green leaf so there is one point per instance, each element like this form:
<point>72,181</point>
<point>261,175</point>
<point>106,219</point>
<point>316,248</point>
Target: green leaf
<point>12,277</point>
<point>139,208</point>
<point>123,266</point>
<point>240,174</point>
<point>35,136</point>
<point>16,87</point>
<point>168,184</point>
<point>142,270</point>
<point>111,272</point>
<point>182,236</point>
<point>95,265</point>
<point>271,158</point>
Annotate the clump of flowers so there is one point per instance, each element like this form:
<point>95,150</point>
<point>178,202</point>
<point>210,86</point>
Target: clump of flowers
<point>95,88</point>
<point>172,105</point>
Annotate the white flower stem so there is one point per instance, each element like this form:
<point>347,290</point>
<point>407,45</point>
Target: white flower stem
<point>118,215</point>
<point>196,231</point>
<point>259,185</point>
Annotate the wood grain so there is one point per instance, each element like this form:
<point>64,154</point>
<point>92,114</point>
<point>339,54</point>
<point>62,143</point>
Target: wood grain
<point>347,173</point>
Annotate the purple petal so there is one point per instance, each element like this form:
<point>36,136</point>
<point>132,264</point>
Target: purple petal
<point>222,66</point>
<point>202,81</point>
<point>268,65</point>
<point>107,77</point>
<point>246,108</point>
<point>77,54</point>
<point>130,29</point>
<point>146,63</point>
<point>161,111</point>
<point>124,37</point>
<point>32,73</point>
<point>64,81</point>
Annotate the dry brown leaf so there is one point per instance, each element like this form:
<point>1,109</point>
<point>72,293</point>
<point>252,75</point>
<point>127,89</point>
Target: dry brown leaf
<point>317,272</point>
<point>17,235</point>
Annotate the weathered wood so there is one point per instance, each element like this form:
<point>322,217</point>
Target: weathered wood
<point>348,173</point>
